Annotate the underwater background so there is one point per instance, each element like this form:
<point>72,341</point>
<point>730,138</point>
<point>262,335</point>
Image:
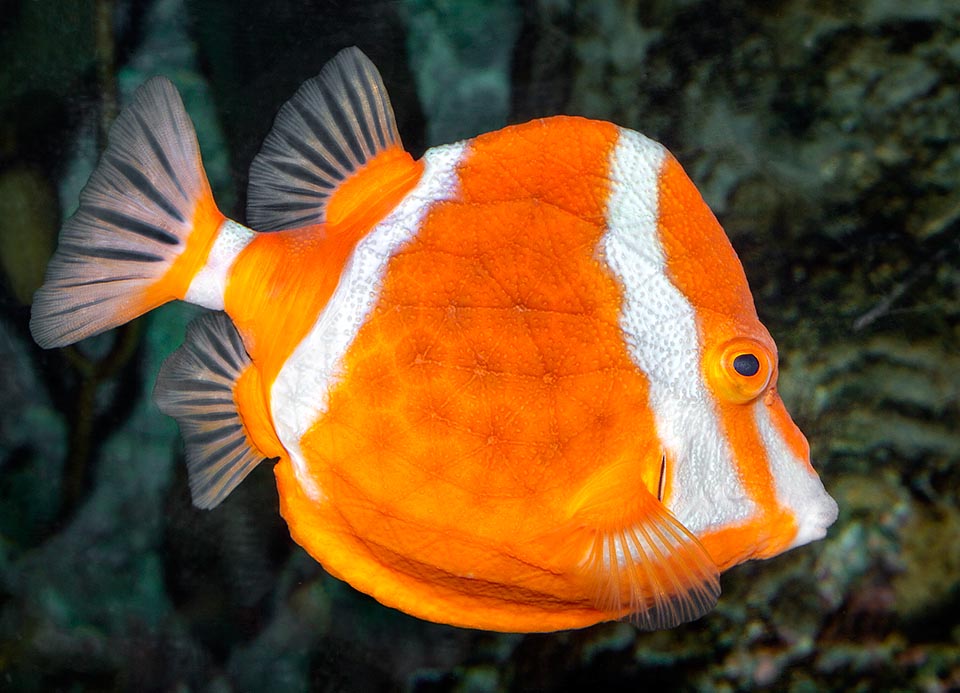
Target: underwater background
<point>826,137</point>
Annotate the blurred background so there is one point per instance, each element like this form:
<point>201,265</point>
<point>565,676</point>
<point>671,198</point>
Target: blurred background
<point>825,136</point>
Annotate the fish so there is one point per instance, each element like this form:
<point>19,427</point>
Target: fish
<point>518,384</point>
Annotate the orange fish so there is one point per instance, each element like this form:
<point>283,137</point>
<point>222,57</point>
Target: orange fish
<point>519,384</point>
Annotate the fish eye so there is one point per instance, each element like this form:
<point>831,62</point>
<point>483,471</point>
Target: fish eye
<point>741,369</point>
<point>746,365</point>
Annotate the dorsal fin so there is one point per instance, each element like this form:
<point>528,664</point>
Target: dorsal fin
<point>334,124</point>
<point>196,387</point>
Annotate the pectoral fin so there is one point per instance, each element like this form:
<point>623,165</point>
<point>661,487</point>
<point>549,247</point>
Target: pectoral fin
<point>639,561</point>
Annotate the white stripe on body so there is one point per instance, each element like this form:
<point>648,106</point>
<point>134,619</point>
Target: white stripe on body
<point>209,285</point>
<point>660,327</point>
<point>299,395</point>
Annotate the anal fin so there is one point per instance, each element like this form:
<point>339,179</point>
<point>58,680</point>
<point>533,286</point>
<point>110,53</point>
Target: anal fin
<point>197,386</point>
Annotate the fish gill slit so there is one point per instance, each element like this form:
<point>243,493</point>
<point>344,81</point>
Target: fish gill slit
<point>663,477</point>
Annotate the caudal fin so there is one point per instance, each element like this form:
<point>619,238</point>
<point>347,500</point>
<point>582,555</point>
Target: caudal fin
<point>144,227</point>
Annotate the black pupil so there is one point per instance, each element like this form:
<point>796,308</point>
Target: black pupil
<point>746,364</point>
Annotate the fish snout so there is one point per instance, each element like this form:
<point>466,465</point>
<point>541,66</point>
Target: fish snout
<point>814,518</point>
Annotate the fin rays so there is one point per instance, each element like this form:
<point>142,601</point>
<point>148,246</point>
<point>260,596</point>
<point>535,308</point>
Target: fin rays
<point>333,125</point>
<point>135,216</point>
<point>665,573</point>
<point>642,563</point>
<point>195,386</point>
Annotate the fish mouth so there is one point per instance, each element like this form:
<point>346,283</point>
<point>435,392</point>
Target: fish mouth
<point>813,522</point>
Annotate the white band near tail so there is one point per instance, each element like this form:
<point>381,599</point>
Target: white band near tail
<point>299,394</point>
<point>210,283</point>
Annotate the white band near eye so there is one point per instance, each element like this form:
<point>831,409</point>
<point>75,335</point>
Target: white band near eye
<point>660,328</point>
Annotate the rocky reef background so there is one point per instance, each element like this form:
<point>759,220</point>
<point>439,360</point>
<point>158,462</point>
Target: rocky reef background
<point>826,137</point>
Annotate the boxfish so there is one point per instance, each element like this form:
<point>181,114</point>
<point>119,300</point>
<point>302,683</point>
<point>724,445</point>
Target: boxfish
<point>517,384</point>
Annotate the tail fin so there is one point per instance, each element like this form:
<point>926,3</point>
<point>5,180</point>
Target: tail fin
<point>145,224</point>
